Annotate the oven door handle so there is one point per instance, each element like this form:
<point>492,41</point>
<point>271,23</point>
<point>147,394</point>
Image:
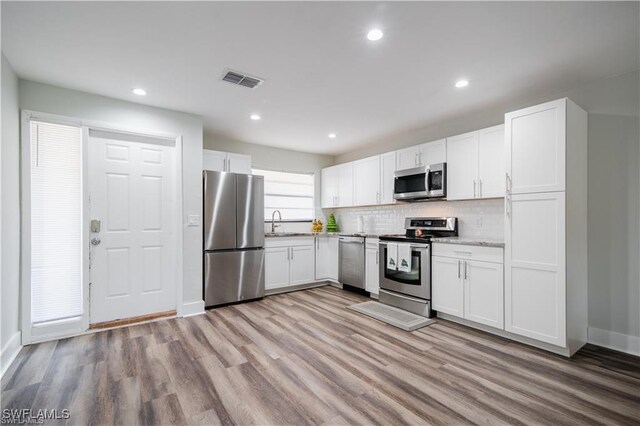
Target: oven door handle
<point>413,246</point>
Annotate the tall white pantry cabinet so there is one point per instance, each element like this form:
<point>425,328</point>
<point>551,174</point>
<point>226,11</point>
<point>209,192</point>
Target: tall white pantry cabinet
<point>546,225</point>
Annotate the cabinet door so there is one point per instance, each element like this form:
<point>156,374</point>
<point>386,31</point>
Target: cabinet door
<point>535,283</point>
<point>387,169</point>
<point>366,181</point>
<point>345,185</point>
<point>491,168</point>
<point>302,265</point>
<point>334,258</point>
<point>447,285</point>
<point>408,158</point>
<point>329,187</point>
<point>276,267</point>
<point>536,143</point>
<point>239,163</point>
<point>372,278</point>
<point>462,166</point>
<point>433,152</point>
<point>484,293</point>
<point>213,160</point>
<point>322,258</point>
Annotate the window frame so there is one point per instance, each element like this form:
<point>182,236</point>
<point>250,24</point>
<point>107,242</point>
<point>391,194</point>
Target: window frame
<point>313,196</point>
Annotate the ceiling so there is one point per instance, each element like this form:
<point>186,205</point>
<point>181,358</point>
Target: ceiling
<point>322,74</point>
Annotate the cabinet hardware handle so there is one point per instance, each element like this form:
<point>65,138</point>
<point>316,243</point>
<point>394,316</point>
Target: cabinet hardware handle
<point>480,189</point>
<point>474,188</point>
<point>465,269</point>
<point>291,253</point>
<point>508,206</point>
<point>509,183</point>
<point>377,257</point>
<point>458,269</point>
<point>416,159</point>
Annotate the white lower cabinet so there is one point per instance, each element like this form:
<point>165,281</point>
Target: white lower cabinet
<point>468,282</point>
<point>301,265</point>
<point>276,270</point>
<point>372,266</point>
<point>326,258</point>
<point>447,286</point>
<point>289,262</point>
<point>483,293</point>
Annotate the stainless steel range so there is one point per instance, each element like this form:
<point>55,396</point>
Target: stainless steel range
<point>408,285</point>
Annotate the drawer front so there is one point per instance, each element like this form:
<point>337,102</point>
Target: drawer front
<point>372,243</point>
<point>288,241</point>
<point>465,252</point>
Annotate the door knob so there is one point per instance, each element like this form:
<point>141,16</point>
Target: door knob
<point>95,241</point>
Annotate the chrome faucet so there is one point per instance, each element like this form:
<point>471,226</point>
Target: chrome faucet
<point>273,220</point>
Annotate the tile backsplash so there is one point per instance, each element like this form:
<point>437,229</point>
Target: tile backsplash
<point>476,218</point>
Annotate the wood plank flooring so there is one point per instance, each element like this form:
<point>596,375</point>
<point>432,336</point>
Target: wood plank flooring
<point>302,358</point>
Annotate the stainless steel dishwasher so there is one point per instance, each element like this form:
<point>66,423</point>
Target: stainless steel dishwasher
<point>351,268</point>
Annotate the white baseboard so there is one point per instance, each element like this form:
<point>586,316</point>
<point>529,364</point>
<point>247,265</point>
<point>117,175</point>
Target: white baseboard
<point>193,308</point>
<point>9,352</point>
<point>616,341</point>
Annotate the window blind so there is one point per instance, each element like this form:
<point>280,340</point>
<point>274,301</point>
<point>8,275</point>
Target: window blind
<point>56,222</point>
<point>291,193</point>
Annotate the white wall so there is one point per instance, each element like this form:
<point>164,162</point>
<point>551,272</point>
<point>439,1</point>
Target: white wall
<point>270,158</point>
<point>55,100</point>
<point>10,223</point>
<point>614,224</point>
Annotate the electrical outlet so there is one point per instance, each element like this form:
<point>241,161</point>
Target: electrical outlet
<point>193,220</point>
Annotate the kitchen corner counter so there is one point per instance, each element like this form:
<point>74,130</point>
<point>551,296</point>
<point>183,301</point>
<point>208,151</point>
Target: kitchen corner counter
<point>468,241</point>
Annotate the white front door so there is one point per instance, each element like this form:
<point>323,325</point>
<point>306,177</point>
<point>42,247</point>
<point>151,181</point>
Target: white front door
<point>133,256</point>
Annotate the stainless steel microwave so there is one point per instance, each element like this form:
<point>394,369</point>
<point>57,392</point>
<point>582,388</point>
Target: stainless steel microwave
<point>421,182</point>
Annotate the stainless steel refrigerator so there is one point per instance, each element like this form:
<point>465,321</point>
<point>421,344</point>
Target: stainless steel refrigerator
<point>233,237</point>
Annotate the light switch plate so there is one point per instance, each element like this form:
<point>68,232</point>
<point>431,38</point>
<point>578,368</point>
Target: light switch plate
<point>193,220</point>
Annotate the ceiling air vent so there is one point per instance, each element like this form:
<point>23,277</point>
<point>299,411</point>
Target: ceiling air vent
<point>241,79</point>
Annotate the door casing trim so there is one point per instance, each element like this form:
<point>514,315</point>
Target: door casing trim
<point>80,325</point>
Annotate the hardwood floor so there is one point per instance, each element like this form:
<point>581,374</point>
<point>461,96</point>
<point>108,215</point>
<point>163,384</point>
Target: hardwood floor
<point>301,358</point>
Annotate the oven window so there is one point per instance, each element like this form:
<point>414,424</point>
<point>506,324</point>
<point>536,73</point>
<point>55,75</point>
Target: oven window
<point>411,278</point>
<point>407,184</point>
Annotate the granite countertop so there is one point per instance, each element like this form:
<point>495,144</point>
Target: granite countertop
<point>318,234</point>
<point>469,241</point>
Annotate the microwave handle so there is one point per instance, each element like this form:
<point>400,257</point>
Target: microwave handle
<point>427,178</point>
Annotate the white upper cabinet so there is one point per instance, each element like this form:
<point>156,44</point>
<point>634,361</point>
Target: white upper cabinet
<point>408,158</point>
<point>239,163</point>
<point>462,166</point>
<point>214,161</point>
<point>330,177</point>
<point>491,167</point>
<point>433,152</point>
<point>387,170</point>
<point>366,176</point>
<point>345,185</point>
<point>219,161</point>
<point>475,164</point>
<point>422,155</point>
<point>535,148</point>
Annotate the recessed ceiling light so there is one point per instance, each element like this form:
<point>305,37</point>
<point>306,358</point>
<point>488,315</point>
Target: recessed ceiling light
<point>375,34</point>
<point>138,91</point>
<point>462,83</point>
<point>255,117</point>
<point>332,135</point>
